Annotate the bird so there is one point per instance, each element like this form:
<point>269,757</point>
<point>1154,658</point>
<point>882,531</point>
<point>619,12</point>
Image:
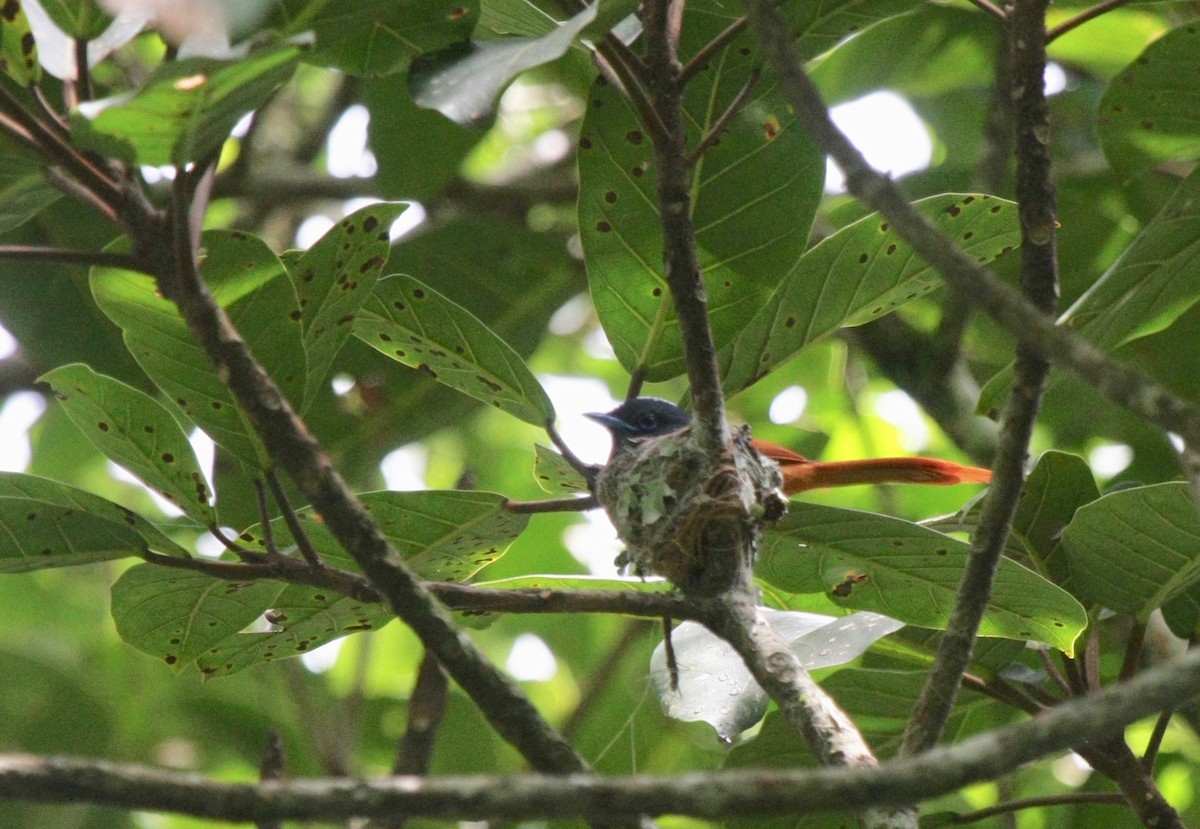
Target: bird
<point>649,417</point>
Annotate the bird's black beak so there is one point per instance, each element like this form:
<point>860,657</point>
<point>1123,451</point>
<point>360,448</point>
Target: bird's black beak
<point>608,421</point>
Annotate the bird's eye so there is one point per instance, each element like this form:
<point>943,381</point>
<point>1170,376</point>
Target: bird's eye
<point>648,422</point>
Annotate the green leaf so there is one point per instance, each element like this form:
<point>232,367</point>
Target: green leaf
<point>444,535</point>
<point>134,430</point>
<point>376,37</point>
<point>81,19</point>
<point>464,83</point>
<point>1059,485</point>
<point>1149,114</point>
<point>754,194</point>
<point>250,282</point>
<point>35,535</point>
<point>176,615</point>
<point>818,27</point>
<point>554,475</point>
<point>186,109</point>
<point>1146,290</point>
<point>24,191</point>
<point>415,325</point>
<point>873,562</point>
<point>1134,549</point>
<point>856,275</point>
<point>716,687</point>
<point>303,619</point>
<point>18,51</point>
<point>333,279</point>
<point>32,488</point>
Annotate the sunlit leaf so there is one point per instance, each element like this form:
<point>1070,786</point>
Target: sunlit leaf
<point>187,108</point>
<point>415,325</point>
<point>716,687</point>
<point>175,615</point>
<point>134,430</point>
<point>858,274</point>
<point>754,193</point>
<point>883,564</point>
<point>250,282</point>
<point>1134,549</point>
<point>333,279</point>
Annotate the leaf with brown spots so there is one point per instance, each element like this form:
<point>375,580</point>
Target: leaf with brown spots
<point>1150,112</point>
<point>858,274</point>
<point>176,615</point>
<point>908,572</point>
<point>249,281</point>
<point>135,431</point>
<point>553,474</point>
<point>18,51</point>
<point>36,535</point>
<point>333,279</point>
<point>415,325</point>
<point>44,490</point>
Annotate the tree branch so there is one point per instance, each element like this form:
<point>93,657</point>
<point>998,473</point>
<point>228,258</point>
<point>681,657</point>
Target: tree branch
<point>1039,280</point>
<point>531,797</point>
<point>1083,17</point>
<point>1135,391</point>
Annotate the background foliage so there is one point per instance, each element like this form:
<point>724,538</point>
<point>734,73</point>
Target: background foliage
<point>540,245</point>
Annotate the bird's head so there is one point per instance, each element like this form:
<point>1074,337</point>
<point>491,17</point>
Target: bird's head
<point>642,417</point>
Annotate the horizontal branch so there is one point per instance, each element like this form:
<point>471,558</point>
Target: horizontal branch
<point>541,796</point>
<point>103,258</point>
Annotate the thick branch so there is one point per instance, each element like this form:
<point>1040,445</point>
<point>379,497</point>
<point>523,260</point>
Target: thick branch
<point>1039,280</point>
<point>1091,719</point>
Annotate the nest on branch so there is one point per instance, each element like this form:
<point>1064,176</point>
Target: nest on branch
<point>693,519</point>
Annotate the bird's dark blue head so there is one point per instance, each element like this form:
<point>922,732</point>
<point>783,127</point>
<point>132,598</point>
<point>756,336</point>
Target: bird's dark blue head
<point>642,417</point>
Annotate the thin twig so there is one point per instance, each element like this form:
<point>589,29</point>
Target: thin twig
<point>1150,756</point>
<point>992,9</point>
<point>264,517</point>
<point>706,52</point>
<point>1069,799</point>
<point>1083,17</point>
<point>1053,672</point>
<point>714,133</point>
<point>299,534</point>
<point>573,503</point>
<point>233,547</point>
<point>1133,651</point>
<point>83,72</point>
<point>587,470</point>
<point>97,258</point>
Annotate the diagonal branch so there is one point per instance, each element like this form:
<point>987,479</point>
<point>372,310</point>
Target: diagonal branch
<point>1039,279</point>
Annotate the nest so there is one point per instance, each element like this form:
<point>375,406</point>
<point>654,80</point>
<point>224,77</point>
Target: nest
<point>686,517</point>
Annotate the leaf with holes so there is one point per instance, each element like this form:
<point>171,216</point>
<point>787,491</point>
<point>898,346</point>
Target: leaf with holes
<point>134,430</point>
<point>858,274</point>
<point>1150,112</point>
<point>44,490</point>
<point>1135,549</point>
<point>333,279</point>
<point>36,535</point>
<point>1145,291</point>
<point>716,687</point>
<point>375,37</point>
<point>303,619</point>
<point>553,474</point>
<point>176,615</point>
<point>415,325</point>
<point>464,82</point>
<point>249,281</point>
<point>873,562</point>
<point>444,535</point>
<point>186,109</point>
<point>18,50</point>
<point>754,193</point>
